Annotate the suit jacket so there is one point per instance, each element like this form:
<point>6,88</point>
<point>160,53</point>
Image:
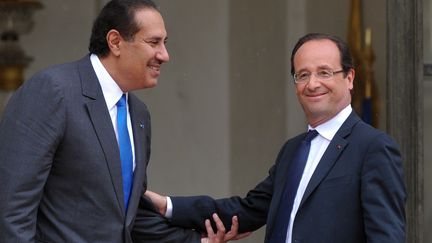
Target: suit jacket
<point>151,227</point>
<point>60,171</point>
<point>356,194</point>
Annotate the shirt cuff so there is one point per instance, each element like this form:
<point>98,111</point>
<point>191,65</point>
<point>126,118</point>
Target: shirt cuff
<point>169,210</point>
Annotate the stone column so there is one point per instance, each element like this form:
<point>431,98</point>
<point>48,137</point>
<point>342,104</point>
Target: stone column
<point>405,101</point>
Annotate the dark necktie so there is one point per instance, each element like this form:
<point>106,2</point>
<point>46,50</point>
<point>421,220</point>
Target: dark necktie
<point>125,149</point>
<point>294,176</point>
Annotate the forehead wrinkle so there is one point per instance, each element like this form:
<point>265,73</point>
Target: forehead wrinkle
<point>320,67</point>
<point>317,53</point>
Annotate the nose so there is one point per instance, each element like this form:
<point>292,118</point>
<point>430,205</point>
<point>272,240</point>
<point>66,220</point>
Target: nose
<point>313,82</point>
<point>162,54</point>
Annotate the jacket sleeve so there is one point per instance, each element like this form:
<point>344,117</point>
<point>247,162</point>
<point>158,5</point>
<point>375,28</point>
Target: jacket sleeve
<point>30,131</point>
<point>383,192</point>
<point>251,210</point>
<point>151,227</point>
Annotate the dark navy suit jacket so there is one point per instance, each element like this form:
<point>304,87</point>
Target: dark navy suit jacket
<point>356,194</point>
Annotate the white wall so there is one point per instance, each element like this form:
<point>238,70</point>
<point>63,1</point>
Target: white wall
<point>296,27</point>
<point>61,33</point>
<point>190,106</point>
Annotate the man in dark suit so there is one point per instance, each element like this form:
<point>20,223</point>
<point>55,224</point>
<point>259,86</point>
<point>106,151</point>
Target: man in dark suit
<point>351,188</point>
<point>62,165</point>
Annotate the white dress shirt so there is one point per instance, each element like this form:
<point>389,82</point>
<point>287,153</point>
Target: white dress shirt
<point>319,145</point>
<point>112,94</point>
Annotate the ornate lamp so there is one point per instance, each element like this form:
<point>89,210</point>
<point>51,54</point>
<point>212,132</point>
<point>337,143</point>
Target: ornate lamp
<point>15,20</point>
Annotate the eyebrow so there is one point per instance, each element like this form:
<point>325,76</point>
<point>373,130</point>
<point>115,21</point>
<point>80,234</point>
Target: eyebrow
<point>158,38</point>
<point>322,67</point>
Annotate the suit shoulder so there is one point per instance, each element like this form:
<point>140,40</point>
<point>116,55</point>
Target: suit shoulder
<point>294,140</point>
<point>56,74</point>
<point>137,102</point>
<point>367,134</point>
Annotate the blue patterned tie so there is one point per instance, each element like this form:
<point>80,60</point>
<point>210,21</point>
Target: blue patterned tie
<point>125,149</point>
<point>294,176</point>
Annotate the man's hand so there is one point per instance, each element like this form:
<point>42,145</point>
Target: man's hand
<point>159,201</point>
<point>221,236</point>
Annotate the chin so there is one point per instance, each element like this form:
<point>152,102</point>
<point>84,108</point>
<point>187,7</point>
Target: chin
<point>149,84</point>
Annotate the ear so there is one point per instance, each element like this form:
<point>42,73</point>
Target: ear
<point>350,77</point>
<point>114,38</point>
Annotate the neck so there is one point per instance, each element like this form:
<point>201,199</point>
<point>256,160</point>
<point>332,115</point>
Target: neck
<point>109,64</point>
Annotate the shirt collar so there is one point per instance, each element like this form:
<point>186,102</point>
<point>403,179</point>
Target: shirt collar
<point>111,91</point>
<point>329,128</point>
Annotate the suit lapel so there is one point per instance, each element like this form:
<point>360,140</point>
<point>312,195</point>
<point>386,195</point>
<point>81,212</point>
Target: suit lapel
<point>335,148</point>
<point>102,124</point>
<point>140,126</point>
<point>330,156</point>
<point>284,163</point>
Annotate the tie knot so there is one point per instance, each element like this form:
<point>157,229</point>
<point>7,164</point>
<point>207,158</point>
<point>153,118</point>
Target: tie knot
<point>122,101</point>
<point>310,135</point>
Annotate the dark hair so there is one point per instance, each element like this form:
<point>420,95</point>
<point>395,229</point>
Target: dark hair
<point>345,54</point>
<point>118,15</point>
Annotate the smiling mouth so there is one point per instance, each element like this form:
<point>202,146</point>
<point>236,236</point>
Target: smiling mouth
<point>316,95</point>
<point>155,68</point>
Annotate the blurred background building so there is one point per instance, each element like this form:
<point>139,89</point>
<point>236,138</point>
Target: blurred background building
<point>225,103</point>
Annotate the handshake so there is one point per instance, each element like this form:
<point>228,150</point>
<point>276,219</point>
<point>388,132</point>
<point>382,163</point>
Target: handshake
<point>158,204</point>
